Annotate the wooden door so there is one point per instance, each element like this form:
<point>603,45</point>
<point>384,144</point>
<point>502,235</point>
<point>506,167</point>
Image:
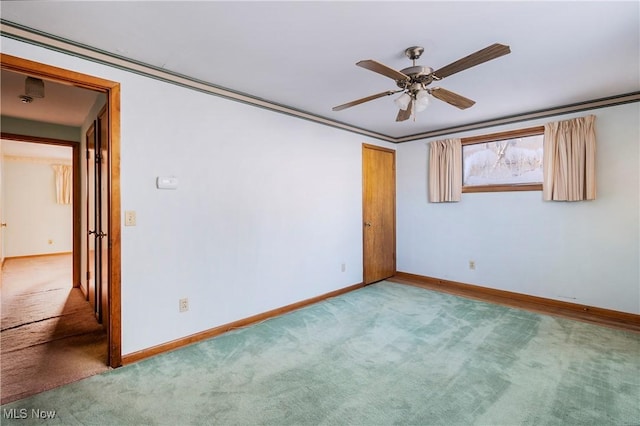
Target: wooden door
<point>379,212</point>
<point>102,216</point>
<point>98,217</point>
<point>90,285</point>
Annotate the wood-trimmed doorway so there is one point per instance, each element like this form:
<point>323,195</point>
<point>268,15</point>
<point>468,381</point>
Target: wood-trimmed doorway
<point>112,91</point>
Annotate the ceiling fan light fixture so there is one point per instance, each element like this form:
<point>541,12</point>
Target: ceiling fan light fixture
<point>422,100</point>
<point>402,102</point>
<point>34,87</point>
<point>420,107</point>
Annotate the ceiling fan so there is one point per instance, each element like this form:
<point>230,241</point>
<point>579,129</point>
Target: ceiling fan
<point>413,81</point>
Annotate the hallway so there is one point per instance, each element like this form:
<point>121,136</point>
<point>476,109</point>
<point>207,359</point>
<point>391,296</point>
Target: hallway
<point>49,333</point>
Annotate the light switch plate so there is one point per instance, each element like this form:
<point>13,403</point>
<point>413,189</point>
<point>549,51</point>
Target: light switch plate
<point>130,218</point>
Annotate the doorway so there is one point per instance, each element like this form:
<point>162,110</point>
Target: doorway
<point>379,212</point>
<point>111,238</point>
<point>49,335</point>
<point>35,148</point>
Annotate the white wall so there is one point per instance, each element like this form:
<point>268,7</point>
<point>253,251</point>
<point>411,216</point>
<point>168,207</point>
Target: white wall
<point>581,252</point>
<point>268,206</point>
<point>36,223</point>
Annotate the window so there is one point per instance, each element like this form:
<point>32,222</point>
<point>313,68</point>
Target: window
<point>507,161</point>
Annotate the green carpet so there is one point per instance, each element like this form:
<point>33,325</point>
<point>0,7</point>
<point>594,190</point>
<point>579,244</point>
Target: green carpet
<point>385,354</point>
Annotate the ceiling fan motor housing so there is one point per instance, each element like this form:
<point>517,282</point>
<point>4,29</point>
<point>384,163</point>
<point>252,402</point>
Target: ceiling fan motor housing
<point>417,74</point>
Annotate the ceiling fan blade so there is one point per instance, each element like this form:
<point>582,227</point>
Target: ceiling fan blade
<point>363,100</point>
<point>488,53</point>
<point>375,66</point>
<point>451,98</point>
<point>405,114</point>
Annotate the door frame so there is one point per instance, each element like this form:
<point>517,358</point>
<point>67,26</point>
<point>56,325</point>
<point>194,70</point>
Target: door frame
<point>112,91</point>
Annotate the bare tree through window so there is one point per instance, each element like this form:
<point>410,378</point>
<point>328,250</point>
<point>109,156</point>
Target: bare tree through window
<point>503,162</point>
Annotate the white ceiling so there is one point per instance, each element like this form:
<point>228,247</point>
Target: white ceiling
<point>303,54</point>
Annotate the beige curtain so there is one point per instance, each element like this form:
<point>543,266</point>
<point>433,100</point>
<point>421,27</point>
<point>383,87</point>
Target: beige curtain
<point>63,183</point>
<point>445,171</point>
<point>570,160</point>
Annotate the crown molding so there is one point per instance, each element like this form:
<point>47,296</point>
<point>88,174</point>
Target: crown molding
<point>29,35</point>
<point>38,38</point>
<point>549,112</point>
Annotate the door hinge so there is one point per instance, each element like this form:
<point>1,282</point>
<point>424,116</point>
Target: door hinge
<point>88,275</point>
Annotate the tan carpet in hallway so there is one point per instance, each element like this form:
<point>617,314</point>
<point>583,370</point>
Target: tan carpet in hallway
<point>49,334</point>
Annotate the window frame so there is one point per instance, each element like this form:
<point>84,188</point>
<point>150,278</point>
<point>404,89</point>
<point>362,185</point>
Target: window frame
<point>495,137</point>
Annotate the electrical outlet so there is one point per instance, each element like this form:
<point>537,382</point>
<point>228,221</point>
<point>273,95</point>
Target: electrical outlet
<point>472,264</point>
<point>184,305</point>
<point>130,218</point>
<point>343,267</point>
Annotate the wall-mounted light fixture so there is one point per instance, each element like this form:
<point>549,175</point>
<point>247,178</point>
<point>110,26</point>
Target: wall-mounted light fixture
<point>34,87</point>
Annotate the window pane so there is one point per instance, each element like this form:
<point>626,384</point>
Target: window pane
<point>509,161</point>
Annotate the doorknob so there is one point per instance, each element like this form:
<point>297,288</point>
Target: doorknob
<point>367,224</point>
<point>4,225</point>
